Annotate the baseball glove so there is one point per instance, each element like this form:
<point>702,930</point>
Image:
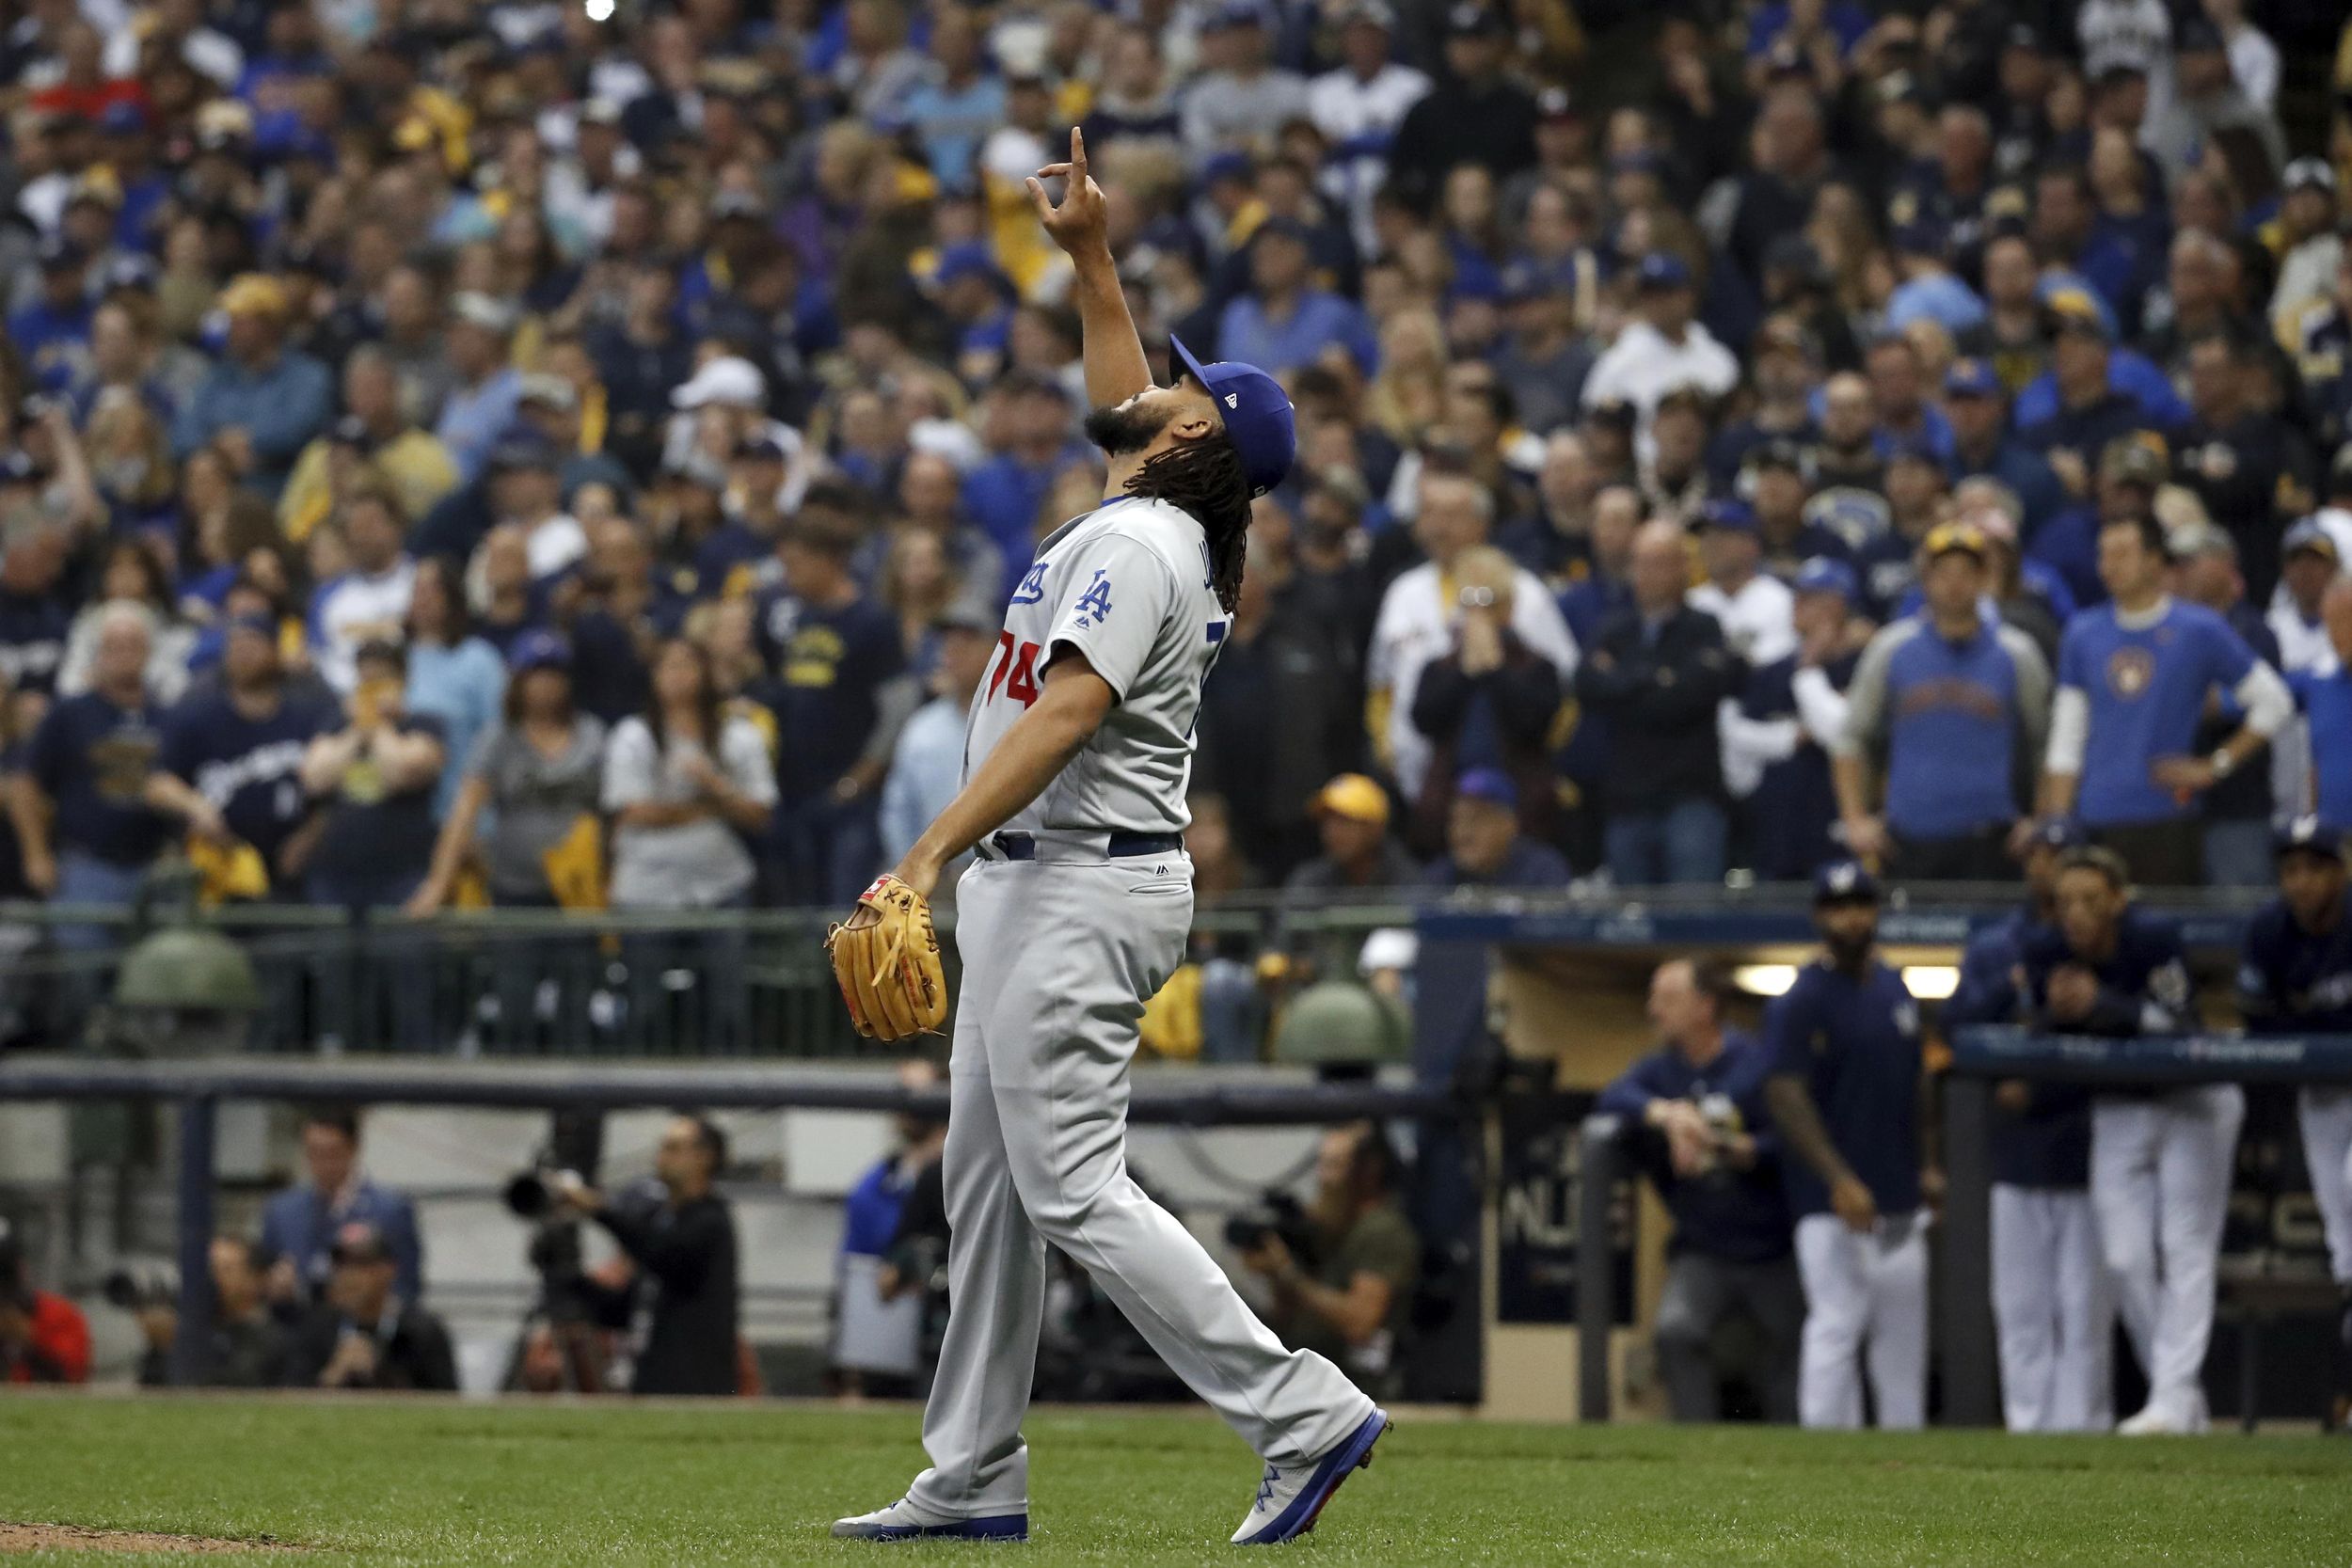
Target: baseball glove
<point>889,970</point>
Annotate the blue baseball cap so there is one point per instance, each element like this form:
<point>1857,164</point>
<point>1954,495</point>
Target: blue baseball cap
<point>1971,378</point>
<point>1662,269</point>
<point>1490,784</point>
<point>1258,420</point>
<point>1728,513</point>
<point>2308,835</point>
<point>2056,832</point>
<point>539,650</point>
<point>971,259</point>
<point>1845,881</point>
<point>1825,574</point>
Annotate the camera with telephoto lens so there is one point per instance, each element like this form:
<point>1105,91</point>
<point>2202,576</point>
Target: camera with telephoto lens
<point>137,1286</point>
<point>574,1149</point>
<point>1277,1215</point>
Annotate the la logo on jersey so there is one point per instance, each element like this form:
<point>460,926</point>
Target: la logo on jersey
<point>1095,603</point>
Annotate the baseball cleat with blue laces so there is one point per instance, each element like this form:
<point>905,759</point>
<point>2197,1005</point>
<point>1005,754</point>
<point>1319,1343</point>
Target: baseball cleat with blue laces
<point>903,1521</point>
<point>1289,1499</point>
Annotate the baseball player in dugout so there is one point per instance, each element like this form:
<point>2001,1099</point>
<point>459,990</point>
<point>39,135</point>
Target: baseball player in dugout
<point>1074,912</point>
<point>1860,1165</point>
<point>2160,1154</point>
<point>2297,979</point>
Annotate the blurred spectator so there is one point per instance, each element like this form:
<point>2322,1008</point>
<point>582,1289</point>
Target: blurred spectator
<point>841,696</point>
<point>232,759</point>
<point>366,1332</point>
<point>131,579</point>
<point>1982,443</point>
<point>1664,348</point>
<point>1958,705</point>
<point>1860,1161</point>
<point>2253,470</point>
<point>43,1337</point>
<point>455,677</point>
<point>2160,1155</point>
<point>1284,321</point>
<point>1697,1105</point>
<point>1032,438</point>
<point>2324,692</point>
<point>2133,680</point>
<point>369,601</point>
<point>1657,675</point>
<point>2236,809</point>
<point>485,388</point>
<point>1421,607</point>
<point>1351,816</point>
<point>375,778</point>
<point>1475,114</point>
<point>680,1241</point>
<point>299,1225</point>
<point>2310,562</point>
<point>376,433</point>
<point>1755,609</point>
<point>1241,99</point>
<point>926,764</point>
<point>1487,704</point>
<point>1483,844</point>
<point>248,1347</point>
<point>1350,1296</point>
<point>2205,101</point>
<point>261,405</point>
<point>2050,1300</point>
<point>1790,717</point>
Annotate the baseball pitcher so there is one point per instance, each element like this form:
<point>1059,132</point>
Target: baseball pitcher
<point>1074,912</point>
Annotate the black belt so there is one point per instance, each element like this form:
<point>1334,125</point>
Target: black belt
<point>1021,846</point>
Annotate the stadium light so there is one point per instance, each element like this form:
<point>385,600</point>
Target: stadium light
<point>1927,982</point>
<point>599,10</point>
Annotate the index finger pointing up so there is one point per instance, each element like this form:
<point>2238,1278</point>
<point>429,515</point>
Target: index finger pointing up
<point>1077,153</point>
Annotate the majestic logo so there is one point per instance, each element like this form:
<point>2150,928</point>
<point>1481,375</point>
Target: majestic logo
<point>2130,671</point>
<point>1095,603</point>
<point>1032,587</point>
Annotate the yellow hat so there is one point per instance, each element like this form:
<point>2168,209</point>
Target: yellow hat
<point>254,293</point>
<point>1355,798</point>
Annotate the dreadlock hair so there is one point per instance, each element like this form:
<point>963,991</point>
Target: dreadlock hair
<point>1205,478</point>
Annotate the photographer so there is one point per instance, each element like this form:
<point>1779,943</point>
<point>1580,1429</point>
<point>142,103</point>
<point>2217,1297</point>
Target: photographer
<point>684,1251</point>
<point>248,1349</point>
<point>1699,1100</point>
<point>1347,1297</point>
<point>364,1334</point>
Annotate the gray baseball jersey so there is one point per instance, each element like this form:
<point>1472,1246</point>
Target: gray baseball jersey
<point>1130,587</point>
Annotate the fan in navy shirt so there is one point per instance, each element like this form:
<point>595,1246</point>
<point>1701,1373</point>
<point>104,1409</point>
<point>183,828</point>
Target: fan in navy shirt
<point>1844,1092</point>
<point>1799,702</point>
<point>840,695</point>
<point>2133,679</point>
<point>232,760</point>
<point>1483,844</point>
<point>2296,976</point>
<point>1706,1145</point>
<point>2160,1157</point>
<point>34,616</point>
<point>2048,1296</point>
<point>2324,692</point>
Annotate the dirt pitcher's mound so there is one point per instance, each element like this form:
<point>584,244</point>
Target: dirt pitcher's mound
<point>74,1538</point>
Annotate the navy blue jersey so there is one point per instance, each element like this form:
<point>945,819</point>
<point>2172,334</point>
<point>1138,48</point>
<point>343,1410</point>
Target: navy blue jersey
<point>2048,1144</point>
<point>372,832</point>
<point>2144,985</point>
<point>33,630</point>
<point>246,767</point>
<point>91,759</point>
<point>1854,1041</point>
<point>2291,980</point>
<point>829,668</point>
<point>1741,1216</point>
<point>1794,805</point>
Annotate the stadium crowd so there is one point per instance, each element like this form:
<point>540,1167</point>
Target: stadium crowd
<point>465,454</point>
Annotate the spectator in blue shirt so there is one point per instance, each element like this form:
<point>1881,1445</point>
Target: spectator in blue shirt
<point>961,104</point>
<point>261,405</point>
<point>52,331</point>
<point>2134,677</point>
<point>1948,695</point>
<point>2297,977</point>
<point>299,1226</point>
<point>1845,1094</point>
<point>1287,320</point>
<point>2093,393</point>
<point>1483,844</point>
<point>1982,443</point>
<point>1002,495</point>
<point>2160,1155</point>
<point>1697,1104</point>
<point>481,407</point>
<point>2050,1298</point>
<point>926,764</point>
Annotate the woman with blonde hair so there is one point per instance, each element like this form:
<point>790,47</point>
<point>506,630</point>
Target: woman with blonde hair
<point>1408,394</point>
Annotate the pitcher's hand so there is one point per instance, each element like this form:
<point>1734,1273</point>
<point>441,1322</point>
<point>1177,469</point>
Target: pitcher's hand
<point>1081,224</point>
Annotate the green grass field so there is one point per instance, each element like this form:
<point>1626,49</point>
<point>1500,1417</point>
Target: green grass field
<point>444,1484</point>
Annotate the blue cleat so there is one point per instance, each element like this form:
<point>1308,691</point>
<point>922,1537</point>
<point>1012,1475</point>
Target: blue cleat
<point>903,1521</point>
<point>1288,1501</point>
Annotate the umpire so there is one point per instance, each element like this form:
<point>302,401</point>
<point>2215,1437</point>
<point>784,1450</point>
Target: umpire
<point>683,1248</point>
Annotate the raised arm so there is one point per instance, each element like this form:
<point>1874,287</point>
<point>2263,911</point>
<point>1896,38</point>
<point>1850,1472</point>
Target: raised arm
<point>1116,368</point>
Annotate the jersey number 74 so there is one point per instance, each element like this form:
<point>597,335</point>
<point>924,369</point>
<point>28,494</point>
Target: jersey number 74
<point>1016,669</point>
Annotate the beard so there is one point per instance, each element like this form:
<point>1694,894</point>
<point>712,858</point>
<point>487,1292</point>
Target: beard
<point>1125,429</point>
<point>1850,953</point>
